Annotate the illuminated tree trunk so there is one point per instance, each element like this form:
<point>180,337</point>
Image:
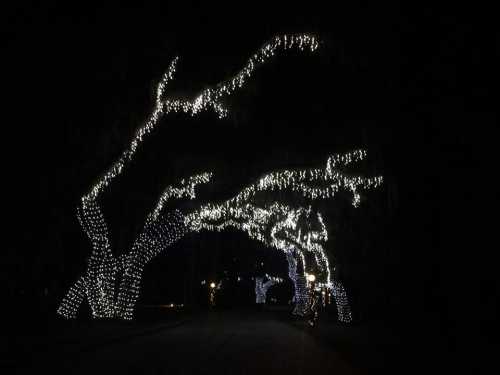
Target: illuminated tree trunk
<point>155,238</point>
<point>343,307</point>
<point>261,289</point>
<point>98,283</point>
<point>301,296</point>
<point>299,282</point>
<point>73,299</point>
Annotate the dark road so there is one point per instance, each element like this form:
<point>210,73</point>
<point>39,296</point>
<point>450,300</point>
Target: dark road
<point>218,342</point>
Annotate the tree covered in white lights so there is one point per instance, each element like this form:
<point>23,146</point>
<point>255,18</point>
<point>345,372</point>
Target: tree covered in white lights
<point>111,284</point>
<point>262,285</point>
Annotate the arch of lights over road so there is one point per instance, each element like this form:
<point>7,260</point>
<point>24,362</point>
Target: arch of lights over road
<point>276,224</point>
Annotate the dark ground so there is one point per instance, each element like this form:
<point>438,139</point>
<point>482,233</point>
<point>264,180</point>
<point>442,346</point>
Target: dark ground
<point>240,341</point>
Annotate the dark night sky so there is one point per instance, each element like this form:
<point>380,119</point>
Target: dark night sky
<point>396,81</point>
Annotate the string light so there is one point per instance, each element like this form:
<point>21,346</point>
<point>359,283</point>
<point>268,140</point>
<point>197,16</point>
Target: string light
<point>277,225</point>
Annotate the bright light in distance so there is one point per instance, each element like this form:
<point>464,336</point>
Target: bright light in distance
<point>311,278</point>
<point>212,285</point>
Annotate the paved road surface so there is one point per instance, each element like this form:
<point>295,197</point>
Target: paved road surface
<point>214,343</point>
